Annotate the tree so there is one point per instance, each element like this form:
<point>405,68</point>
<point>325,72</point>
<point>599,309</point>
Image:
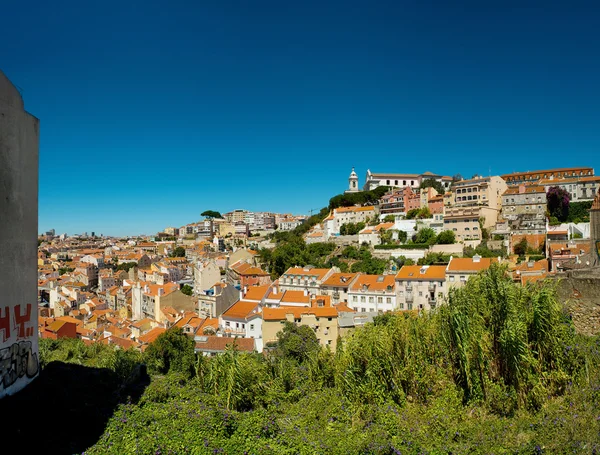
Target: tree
<point>425,235</point>
<point>520,247</point>
<point>446,238</point>
<point>178,252</point>
<point>432,183</point>
<point>211,214</point>
<point>402,236</point>
<point>296,342</point>
<point>187,289</point>
<point>558,202</point>
<point>172,351</point>
<point>389,219</point>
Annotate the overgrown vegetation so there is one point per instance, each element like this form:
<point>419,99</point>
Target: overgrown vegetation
<point>498,369</point>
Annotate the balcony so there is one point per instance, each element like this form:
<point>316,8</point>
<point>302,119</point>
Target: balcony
<point>410,298</point>
<point>409,288</point>
<point>431,287</point>
<point>336,295</point>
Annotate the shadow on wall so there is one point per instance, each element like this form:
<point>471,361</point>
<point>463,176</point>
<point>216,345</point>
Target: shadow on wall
<point>66,409</point>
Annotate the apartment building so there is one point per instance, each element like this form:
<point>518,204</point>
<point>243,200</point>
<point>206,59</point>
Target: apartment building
<point>305,278</point>
<point>421,287</point>
<point>475,203</point>
<point>372,293</point>
<point>524,207</point>
<point>460,270</point>
<point>337,285</point>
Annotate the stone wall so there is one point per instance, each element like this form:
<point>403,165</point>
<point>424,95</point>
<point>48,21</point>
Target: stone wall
<point>579,291</point>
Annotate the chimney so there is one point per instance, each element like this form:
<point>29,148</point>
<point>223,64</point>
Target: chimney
<point>275,289</point>
<point>305,291</point>
<point>476,258</point>
<point>245,290</point>
<point>161,291</point>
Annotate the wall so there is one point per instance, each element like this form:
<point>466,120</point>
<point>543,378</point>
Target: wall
<point>578,290</point>
<point>19,138</point>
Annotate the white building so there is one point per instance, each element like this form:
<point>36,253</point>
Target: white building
<point>373,293</point>
<point>421,287</point>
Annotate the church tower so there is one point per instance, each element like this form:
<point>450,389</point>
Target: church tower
<point>595,231</point>
<point>352,183</point>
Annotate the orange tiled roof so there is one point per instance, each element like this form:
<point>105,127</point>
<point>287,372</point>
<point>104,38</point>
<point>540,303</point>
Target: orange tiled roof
<point>374,282</point>
<point>319,273</point>
<point>367,208</point>
<point>217,344</point>
<point>339,279</point>
<point>469,265</point>
<point>240,310</point>
<point>295,297</point>
<point>152,335</point>
<point>256,292</point>
<point>419,272</point>
<point>279,314</point>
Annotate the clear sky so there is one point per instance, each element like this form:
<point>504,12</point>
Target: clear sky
<point>154,111</point>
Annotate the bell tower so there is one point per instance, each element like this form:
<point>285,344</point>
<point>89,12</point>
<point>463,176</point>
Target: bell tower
<point>352,182</point>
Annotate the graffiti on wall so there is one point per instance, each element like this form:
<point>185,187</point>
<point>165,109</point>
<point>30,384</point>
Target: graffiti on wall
<point>17,359</point>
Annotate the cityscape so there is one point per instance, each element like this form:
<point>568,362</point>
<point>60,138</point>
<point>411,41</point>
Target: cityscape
<point>311,228</point>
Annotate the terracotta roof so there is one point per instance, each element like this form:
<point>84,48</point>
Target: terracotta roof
<point>256,292</point>
<point>527,190</point>
<point>279,314</point>
<point>211,343</point>
<point>419,272</point>
<point>56,326</point>
<point>536,266</point>
<point>295,297</point>
<point>70,319</point>
<point>343,307</point>
<point>240,310</point>
<point>152,335</point>
<point>302,271</point>
<point>469,264</point>
<point>374,282</point>
<point>340,279</point>
<point>125,343</point>
<point>243,268</point>
<point>367,208</point>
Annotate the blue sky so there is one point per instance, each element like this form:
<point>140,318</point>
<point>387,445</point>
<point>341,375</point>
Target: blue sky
<point>152,112</point>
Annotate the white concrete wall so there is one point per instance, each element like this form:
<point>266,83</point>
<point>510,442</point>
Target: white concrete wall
<point>19,145</point>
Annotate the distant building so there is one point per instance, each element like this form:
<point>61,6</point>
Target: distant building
<point>413,181</point>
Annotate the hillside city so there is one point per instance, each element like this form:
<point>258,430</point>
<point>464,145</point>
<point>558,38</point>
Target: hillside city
<point>396,243</point>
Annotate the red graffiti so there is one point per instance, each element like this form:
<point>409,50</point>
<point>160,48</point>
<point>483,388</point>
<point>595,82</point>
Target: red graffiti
<point>5,323</point>
<point>19,322</point>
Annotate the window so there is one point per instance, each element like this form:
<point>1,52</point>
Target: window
<point>362,299</point>
<point>379,299</point>
<point>388,300</point>
<point>451,278</point>
<point>227,324</point>
<point>354,298</point>
<point>387,182</point>
<point>251,326</point>
<point>363,310</point>
<point>401,305</point>
<point>329,319</point>
<point>420,293</point>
